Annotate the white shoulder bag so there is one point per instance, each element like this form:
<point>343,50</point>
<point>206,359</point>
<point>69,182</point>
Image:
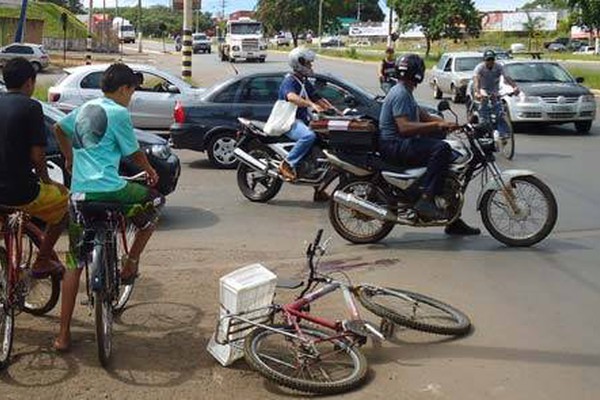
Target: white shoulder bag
<point>283,115</point>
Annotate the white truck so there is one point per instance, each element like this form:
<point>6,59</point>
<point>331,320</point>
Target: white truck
<point>244,40</point>
<point>124,30</point>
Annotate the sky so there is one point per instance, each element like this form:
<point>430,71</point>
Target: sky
<point>214,6</point>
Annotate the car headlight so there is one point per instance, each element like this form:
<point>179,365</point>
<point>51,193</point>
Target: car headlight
<point>161,151</point>
<point>236,48</point>
<point>529,99</point>
<point>587,98</point>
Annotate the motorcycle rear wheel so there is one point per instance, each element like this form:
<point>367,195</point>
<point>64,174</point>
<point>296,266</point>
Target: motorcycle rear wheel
<point>254,185</point>
<point>497,216</point>
<point>348,223</point>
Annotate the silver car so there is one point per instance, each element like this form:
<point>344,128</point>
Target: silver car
<point>152,104</point>
<point>34,53</point>
<point>453,73</point>
<point>549,95</point>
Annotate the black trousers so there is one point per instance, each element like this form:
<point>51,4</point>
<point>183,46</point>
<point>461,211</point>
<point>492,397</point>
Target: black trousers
<point>433,153</point>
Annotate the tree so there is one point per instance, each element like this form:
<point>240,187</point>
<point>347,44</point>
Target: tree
<point>588,16</point>
<point>369,10</point>
<point>532,26</point>
<point>546,5</point>
<point>295,16</point>
<point>438,19</point>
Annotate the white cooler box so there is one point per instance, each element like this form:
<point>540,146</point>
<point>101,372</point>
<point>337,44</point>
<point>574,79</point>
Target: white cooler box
<point>242,290</point>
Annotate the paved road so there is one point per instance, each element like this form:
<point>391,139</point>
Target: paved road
<point>534,310</point>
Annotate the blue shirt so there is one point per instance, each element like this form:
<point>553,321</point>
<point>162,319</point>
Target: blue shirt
<point>102,133</point>
<point>399,102</point>
<point>292,84</point>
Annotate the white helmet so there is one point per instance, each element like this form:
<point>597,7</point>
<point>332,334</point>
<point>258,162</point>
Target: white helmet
<point>299,58</point>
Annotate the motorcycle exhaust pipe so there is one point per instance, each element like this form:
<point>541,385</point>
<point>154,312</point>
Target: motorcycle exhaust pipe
<point>364,207</point>
<point>254,163</point>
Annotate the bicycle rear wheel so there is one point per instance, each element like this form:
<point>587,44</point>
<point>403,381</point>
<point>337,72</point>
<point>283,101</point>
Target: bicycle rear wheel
<point>42,294</point>
<point>7,313</point>
<point>103,311</point>
<point>414,310</point>
<point>319,364</point>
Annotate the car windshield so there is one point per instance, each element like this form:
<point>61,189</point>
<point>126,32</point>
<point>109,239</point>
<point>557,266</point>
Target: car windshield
<point>127,28</point>
<point>246,28</point>
<point>467,63</point>
<point>538,72</point>
<point>352,87</point>
<point>210,92</point>
<point>199,37</point>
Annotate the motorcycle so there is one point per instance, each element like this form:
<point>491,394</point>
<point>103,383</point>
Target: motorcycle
<point>474,111</point>
<point>261,155</point>
<point>516,207</point>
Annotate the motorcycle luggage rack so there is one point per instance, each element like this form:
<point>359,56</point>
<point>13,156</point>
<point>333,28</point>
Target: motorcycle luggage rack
<point>234,324</point>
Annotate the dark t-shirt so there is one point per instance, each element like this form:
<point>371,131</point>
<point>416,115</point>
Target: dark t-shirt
<point>292,84</point>
<point>21,128</point>
<point>399,102</point>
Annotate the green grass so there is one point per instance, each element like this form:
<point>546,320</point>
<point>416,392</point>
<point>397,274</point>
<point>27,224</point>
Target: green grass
<point>50,13</point>
<point>41,92</point>
<point>591,77</point>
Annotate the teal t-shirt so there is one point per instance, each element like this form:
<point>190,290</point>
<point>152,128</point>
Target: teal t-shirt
<point>102,133</point>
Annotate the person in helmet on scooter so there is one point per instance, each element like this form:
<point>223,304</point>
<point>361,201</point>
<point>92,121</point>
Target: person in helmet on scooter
<point>297,89</point>
<point>486,86</point>
<point>412,137</point>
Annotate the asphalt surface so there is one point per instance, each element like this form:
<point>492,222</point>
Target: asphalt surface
<point>534,310</point>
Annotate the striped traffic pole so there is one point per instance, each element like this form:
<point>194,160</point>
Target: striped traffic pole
<point>88,50</point>
<point>186,51</point>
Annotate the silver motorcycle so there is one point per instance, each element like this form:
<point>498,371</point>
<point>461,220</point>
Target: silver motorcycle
<point>516,207</point>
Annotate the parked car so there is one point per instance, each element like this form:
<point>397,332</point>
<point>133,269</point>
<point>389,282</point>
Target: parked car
<point>211,124</point>
<point>158,151</point>
<point>201,43</point>
<point>283,40</point>
<point>549,95</point>
<point>332,42</point>
<point>152,103</point>
<point>586,50</point>
<point>35,53</point>
<point>361,43</point>
<point>453,73</point>
<point>517,47</point>
<point>557,47</point>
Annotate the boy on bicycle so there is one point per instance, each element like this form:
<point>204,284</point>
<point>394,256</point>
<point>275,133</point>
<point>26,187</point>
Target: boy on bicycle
<point>94,138</point>
<point>24,180</point>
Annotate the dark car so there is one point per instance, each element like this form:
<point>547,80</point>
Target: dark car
<point>157,150</point>
<point>211,124</point>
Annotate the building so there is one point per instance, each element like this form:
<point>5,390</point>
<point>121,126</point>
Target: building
<point>178,4</point>
<point>241,14</point>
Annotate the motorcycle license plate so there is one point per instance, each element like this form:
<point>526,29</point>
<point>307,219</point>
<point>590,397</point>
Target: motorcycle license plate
<point>562,108</point>
<point>250,54</point>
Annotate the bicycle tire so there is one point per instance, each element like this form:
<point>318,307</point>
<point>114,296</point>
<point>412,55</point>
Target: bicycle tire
<point>253,358</point>
<point>33,233</point>
<point>7,313</point>
<point>461,324</point>
<point>102,304</point>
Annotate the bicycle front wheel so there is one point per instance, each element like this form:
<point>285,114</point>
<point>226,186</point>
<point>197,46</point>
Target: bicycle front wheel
<point>312,362</point>
<point>7,313</point>
<point>414,310</point>
<point>103,310</point>
<point>124,241</point>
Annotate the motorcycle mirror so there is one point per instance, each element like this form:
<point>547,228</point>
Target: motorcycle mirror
<point>443,106</point>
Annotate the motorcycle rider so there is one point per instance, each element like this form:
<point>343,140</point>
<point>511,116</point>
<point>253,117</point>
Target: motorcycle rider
<point>410,135</point>
<point>297,89</point>
<point>387,71</point>
<point>486,82</point>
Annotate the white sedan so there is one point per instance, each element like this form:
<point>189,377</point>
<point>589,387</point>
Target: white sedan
<point>151,106</point>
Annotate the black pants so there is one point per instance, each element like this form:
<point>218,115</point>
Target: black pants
<point>433,153</point>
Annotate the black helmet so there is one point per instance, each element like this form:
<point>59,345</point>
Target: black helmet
<point>411,67</point>
<point>489,55</point>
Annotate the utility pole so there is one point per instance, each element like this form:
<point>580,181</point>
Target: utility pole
<point>186,53</point>
<point>320,22</point>
<point>20,33</point>
<point>88,46</point>
<point>358,12</point>
<point>139,24</point>
<point>391,23</point>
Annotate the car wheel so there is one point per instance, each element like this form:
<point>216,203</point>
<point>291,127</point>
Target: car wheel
<point>37,67</point>
<point>437,93</point>
<point>455,94</point>
<point>583,127</point>
<point>220,150</point>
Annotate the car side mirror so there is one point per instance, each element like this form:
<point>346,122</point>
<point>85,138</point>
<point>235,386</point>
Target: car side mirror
<point>579,79</point>
<point>443,106</point>
<point>173,89</point>
<point>350,101</point>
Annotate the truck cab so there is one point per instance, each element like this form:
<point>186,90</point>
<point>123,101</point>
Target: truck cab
<point>244,40</point>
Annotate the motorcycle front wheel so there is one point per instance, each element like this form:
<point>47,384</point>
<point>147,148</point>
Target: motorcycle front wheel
<point>255,185</point>
<point>353,225</point>
<point>533,220</point>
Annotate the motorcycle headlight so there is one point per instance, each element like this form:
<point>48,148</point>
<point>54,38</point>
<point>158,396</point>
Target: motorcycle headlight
<point>529,99</point>
<point>587,98</point>
<point>161,151</point>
